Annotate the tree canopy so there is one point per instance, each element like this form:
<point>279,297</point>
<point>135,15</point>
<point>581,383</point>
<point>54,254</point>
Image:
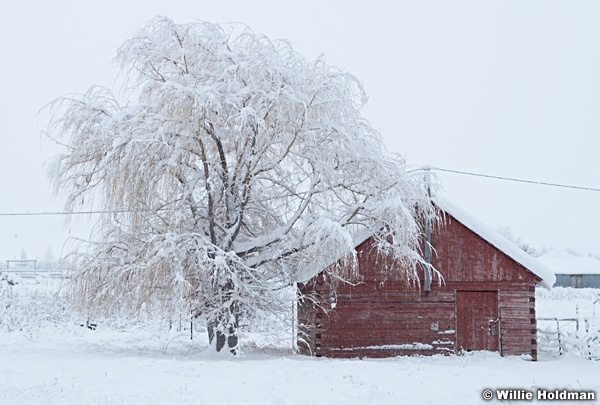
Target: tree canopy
<point>229,164</point>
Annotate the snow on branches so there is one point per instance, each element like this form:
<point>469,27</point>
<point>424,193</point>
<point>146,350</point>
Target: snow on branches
<point>231,166</point>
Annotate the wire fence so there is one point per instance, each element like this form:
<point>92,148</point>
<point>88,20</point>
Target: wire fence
<point>577,334</point>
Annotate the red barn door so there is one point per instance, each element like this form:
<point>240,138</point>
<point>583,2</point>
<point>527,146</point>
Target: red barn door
<point>477,320</point>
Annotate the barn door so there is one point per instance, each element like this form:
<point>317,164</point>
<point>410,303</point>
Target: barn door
<point>477,320</point>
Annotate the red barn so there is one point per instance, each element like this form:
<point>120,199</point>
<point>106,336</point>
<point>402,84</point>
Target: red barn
<point>486,300</point>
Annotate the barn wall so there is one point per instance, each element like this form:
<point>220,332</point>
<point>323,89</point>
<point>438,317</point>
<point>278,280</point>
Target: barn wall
<point>518,323</point>
<point>463,257</point>
<point>469,263</point>
<point>382,315</point>
<point>362,325</point>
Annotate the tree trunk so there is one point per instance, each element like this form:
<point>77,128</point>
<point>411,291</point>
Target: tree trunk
<point>215,331</point>
<point>223,329</point>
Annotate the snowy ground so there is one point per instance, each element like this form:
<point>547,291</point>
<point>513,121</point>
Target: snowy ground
<point>48,358</point>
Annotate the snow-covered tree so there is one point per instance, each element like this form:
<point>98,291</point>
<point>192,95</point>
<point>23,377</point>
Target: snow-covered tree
<point>526,247</point>
<point>229,165</point>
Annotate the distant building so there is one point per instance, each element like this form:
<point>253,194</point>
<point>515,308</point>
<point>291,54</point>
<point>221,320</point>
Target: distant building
<point>572,271</point>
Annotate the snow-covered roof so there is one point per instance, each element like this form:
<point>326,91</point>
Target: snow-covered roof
<point>498,241</point>
<point>562,262</point>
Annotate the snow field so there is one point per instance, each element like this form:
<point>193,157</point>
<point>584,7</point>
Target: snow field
<point>47,357</point>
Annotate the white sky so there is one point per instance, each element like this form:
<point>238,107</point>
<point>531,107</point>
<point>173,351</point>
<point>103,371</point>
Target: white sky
<point>507,88</point>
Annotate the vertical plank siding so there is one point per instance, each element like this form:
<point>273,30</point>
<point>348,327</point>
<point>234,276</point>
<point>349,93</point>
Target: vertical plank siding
<point>477,326</point>
<point>381,315</point>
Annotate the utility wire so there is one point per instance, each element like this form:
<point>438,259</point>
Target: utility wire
<point>25,214</point>
<point>508,178</point>
<point>425,168</point>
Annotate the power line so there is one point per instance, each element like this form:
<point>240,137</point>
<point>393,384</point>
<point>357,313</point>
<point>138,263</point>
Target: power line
<point>425,168</point>
<point>508,178</point>
<point>25,214</point>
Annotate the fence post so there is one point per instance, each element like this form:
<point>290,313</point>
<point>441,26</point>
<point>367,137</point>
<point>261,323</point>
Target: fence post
<point>560,348</point>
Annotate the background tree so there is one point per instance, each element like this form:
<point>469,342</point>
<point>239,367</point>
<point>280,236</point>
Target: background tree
<point>526,247</point>
<point>231,165</point>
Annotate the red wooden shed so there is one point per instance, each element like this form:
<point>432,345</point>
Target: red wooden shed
<point>486,300</point>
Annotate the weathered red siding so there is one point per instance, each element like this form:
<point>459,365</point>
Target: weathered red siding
<point>380,315</point>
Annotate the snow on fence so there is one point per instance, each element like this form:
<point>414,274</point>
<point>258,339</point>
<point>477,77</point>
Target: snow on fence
<point>550,336</point>
<point>32,272</point>
<point>576,334</point>
<point>29,273</point>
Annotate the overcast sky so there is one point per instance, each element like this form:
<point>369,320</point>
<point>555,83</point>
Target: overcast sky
<point>506,88</point>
